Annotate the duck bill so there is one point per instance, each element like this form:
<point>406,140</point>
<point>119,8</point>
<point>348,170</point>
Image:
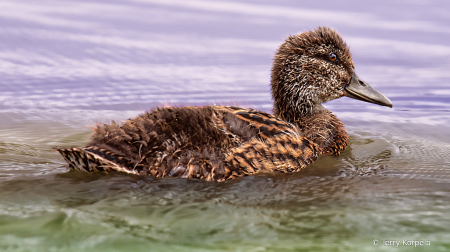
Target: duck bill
<point>360,90</point>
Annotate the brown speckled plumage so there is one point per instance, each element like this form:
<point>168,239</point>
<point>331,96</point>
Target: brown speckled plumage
<point>218,142</point>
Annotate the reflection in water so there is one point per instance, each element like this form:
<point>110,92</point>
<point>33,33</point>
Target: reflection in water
<point>65,66</point>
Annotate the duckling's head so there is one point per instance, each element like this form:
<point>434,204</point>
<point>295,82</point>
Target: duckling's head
<point>312,68</point>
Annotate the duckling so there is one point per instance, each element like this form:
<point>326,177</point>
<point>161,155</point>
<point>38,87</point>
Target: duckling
<point>218,143</point>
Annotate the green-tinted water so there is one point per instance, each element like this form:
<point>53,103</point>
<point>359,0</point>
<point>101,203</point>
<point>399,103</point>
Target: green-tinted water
<point>382,187</point>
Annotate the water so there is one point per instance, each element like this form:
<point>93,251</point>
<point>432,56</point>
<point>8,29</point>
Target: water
<point>67,65</point>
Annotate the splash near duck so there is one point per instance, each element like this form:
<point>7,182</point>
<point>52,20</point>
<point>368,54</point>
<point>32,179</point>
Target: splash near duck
<point>219,143</point>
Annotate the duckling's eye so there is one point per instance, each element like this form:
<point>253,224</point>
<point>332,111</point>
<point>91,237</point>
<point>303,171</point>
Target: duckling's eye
<point>333,57</point>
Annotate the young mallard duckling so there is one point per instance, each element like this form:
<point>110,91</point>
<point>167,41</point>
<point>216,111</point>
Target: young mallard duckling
<point>219,143</point>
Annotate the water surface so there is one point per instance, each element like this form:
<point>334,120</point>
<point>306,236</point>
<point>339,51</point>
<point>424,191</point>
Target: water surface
<point>68,65</point>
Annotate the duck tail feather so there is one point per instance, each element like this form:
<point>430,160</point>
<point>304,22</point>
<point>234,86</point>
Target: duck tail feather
<point>86,161</point>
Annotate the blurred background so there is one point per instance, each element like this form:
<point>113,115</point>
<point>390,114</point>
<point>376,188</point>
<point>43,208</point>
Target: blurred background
<point>68,65</point>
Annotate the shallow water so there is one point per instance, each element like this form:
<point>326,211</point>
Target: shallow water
<point>67,65</point>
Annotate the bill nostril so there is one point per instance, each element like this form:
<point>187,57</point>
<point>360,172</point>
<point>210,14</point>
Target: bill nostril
<point>362,83</point>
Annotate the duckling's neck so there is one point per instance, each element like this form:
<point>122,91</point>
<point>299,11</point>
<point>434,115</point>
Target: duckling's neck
<point>295,114</point>
<point>318,125</point>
